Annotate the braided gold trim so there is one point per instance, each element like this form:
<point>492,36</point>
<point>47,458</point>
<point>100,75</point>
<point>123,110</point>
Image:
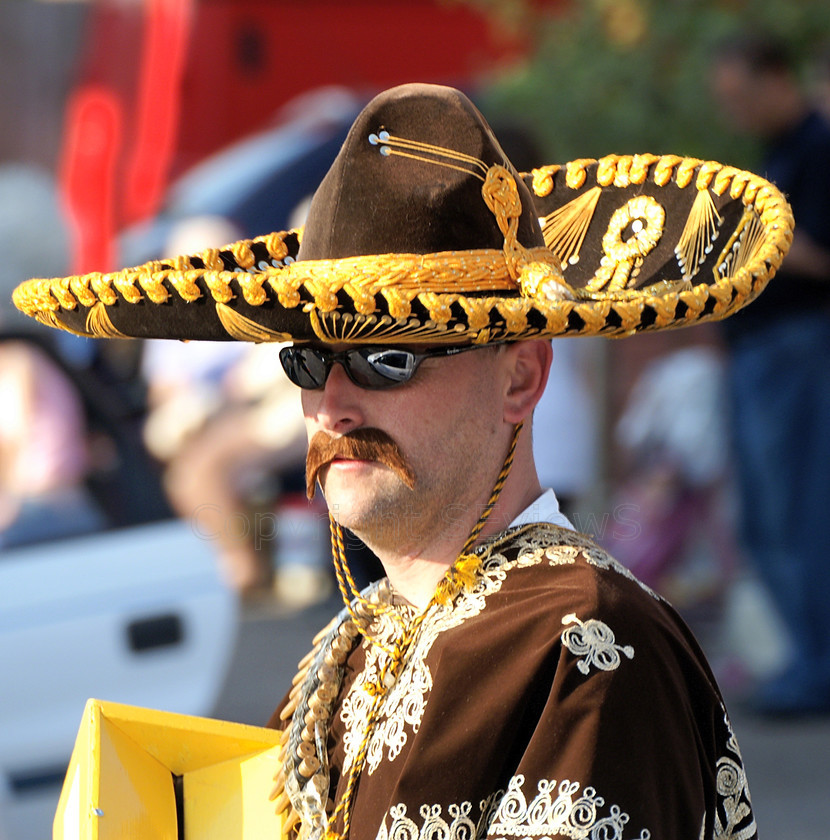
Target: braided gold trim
<point>543,179</point>
<point>465,293</point>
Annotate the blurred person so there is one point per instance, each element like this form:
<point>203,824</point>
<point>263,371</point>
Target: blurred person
<point>779,355</point>
<point>44,456</point>
<point>673,438</point>
<point>821,81</point>
<point>44,452</point>
<point>228,428</point>
<point>238,478</point>
<point>184,379</point>
<point>507,677</point>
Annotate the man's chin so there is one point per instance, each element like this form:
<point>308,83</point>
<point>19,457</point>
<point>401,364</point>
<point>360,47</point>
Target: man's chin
<point>364,511</point>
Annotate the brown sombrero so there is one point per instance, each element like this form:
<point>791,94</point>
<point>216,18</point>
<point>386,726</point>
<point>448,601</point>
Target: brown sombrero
<point>423,232</point>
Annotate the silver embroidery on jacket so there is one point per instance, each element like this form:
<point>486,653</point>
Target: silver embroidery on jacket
<point>563,810</point>
<point>595,641</point>
<point>404,706</point>
<point>734,819</point>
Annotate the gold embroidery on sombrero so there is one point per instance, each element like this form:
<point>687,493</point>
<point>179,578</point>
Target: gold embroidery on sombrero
<point>643,219</point>
<point>243,254</point>
<point>388,144</point>
<point>79,286</point>
<point>398,277</point>
<point>241,328</point>
<point>694,300</point>
<point>477,311</point>
<point>664,297</point>
<point>219,286</point>
<point>102,286</point>
<point>630,313</point>
<point>545,284</point>
<point>345,327</point>
<point>722,293</point>
<point>50,319</point>
<point>185,286</point>
<point>499,190</point>
<point>125,284</point>
<point>98,323</point>
<point>664,169</point>
<point>743,246</point>
<point>514,311</point>
<point>741,277</point>
<point>576,172</point>
<point>153,286</point>
<point>502,199</point>
<point>685,171</point>
<point>542,183</point>
<point>251,287</point>
<point>699,232</point>
<point>664,310</point>
<point>438,306</point>
<point>63,296</point>
<point>564,229</point>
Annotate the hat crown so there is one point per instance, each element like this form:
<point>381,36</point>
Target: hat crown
<point>409,179</point>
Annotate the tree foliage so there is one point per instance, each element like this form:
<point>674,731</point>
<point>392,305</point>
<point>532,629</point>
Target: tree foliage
<point>625,76</point>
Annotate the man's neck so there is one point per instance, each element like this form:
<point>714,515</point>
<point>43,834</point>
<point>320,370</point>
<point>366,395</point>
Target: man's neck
<point>415,574</point>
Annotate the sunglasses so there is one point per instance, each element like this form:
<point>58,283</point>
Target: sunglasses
<point>367,367</point>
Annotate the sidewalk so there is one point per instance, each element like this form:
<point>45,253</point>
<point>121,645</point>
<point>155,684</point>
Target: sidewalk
<point>788,763</point>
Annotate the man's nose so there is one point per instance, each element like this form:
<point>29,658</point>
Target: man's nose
<point>339,408</point>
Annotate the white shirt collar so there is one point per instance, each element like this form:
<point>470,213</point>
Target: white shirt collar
<point>544,509</point>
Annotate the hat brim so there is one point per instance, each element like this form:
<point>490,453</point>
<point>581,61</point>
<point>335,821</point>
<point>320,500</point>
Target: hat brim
<point>635,243</point>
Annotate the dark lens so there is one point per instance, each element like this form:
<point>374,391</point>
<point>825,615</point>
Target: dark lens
<point>304,366</point>
<point>371,367</point>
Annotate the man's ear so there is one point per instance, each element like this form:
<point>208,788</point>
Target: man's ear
<point>528,365</point>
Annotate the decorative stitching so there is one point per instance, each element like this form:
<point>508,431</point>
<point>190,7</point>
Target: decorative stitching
<point>368,281</point>
<point>595,641</point>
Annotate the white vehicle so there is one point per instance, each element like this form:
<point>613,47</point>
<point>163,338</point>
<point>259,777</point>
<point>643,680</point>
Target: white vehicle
<point>136,615</point>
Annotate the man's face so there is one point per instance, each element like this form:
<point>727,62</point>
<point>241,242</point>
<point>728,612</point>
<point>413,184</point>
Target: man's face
<point>447,422</point>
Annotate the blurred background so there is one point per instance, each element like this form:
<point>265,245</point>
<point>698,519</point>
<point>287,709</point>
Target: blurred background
<point>156,546</point>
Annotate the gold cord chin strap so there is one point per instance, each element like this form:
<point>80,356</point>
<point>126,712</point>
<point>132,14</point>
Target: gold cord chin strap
<point>460,576</point>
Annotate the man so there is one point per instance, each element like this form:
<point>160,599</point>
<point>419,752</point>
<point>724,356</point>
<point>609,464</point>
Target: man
<point>507,678</point>
<point>778,351</point>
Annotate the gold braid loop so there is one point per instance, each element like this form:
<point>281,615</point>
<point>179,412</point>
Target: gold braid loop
<point>459,577</point>
<point>502,199</point>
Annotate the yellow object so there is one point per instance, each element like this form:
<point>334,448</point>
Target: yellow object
<point>141,773</point>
